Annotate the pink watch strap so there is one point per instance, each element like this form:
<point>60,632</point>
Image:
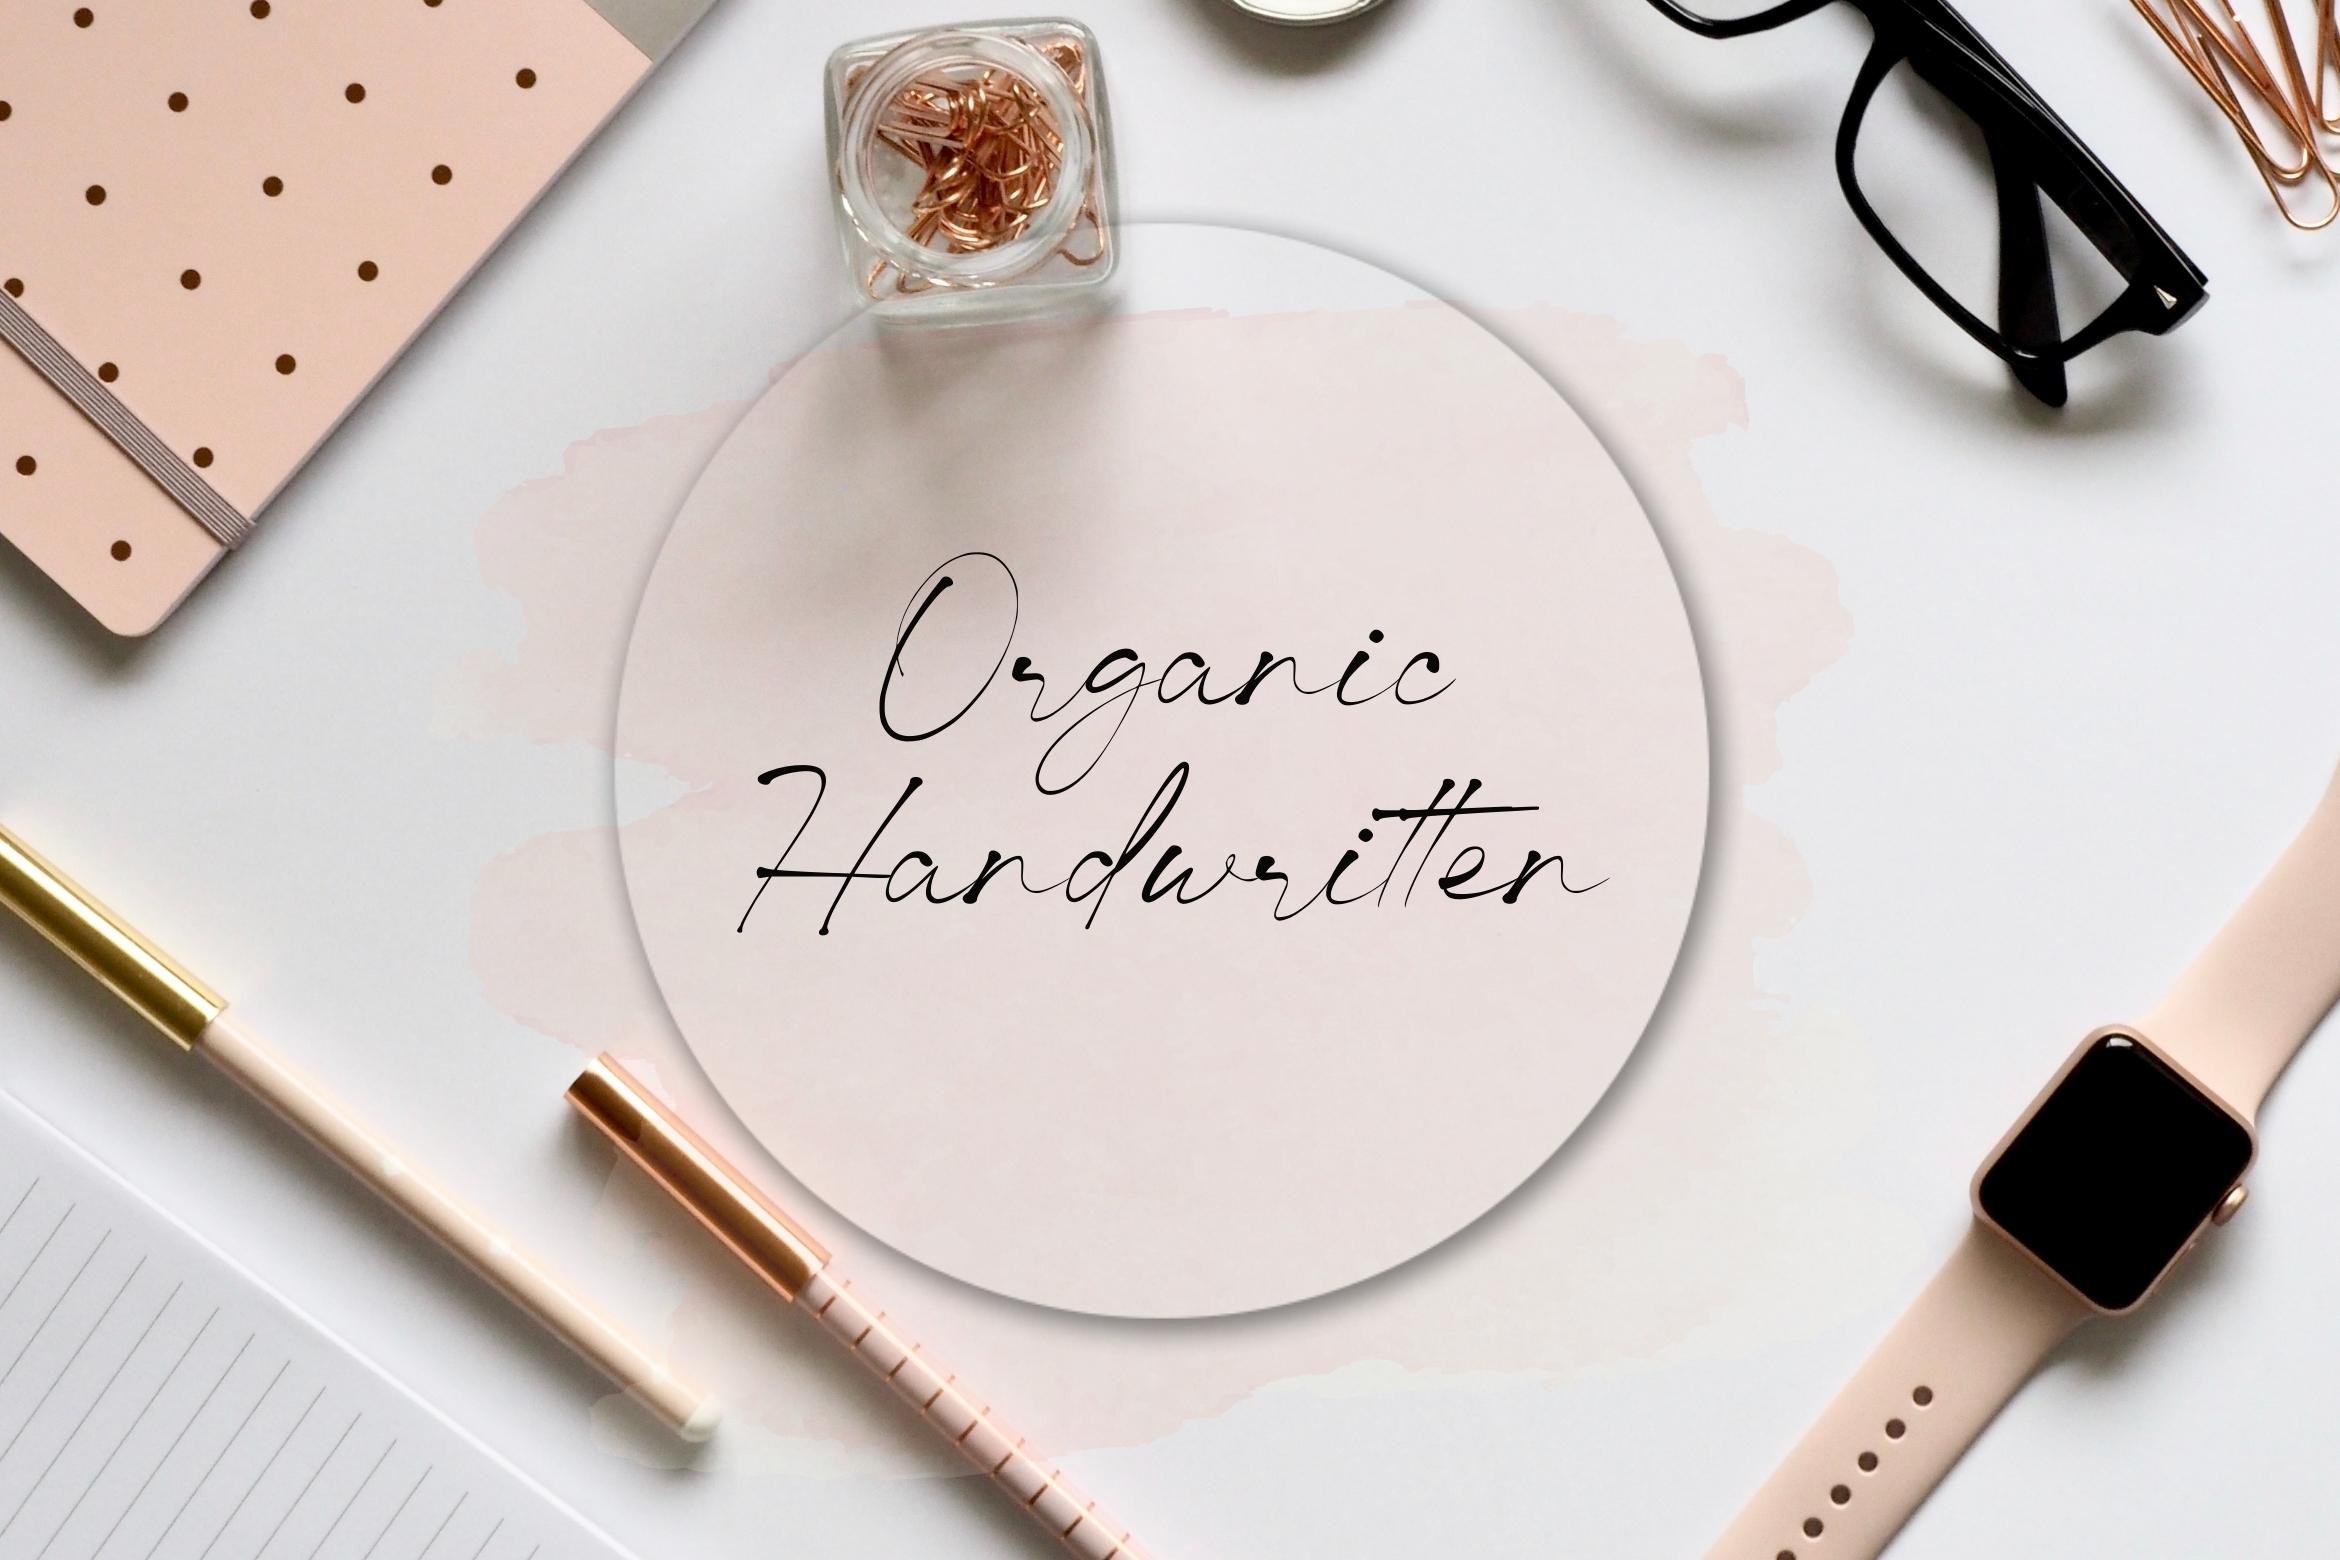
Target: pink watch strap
<point>2235,1019</point>
<point>2249,1001</point>
<point>1977,1331</point>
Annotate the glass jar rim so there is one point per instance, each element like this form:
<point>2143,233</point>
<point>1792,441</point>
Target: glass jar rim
<point>896,69</point>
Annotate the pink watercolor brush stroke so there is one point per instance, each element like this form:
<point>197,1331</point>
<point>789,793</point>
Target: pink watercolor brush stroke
<point>1618,1253</point>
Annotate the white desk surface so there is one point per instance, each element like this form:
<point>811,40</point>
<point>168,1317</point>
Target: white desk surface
<point>2091,688</point>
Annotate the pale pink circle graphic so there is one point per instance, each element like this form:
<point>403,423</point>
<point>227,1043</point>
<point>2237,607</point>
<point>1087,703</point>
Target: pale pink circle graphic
<point>945,803</point>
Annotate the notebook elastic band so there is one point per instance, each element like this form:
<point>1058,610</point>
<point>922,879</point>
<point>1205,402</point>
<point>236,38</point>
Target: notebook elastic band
<point>136,440</point>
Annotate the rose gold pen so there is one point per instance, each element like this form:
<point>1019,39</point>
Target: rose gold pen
<point>796,1267</point>
<point>195,1019</point>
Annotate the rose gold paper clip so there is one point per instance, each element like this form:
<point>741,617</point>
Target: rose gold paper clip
<point>2275,115</point>
<point>796,1267</point>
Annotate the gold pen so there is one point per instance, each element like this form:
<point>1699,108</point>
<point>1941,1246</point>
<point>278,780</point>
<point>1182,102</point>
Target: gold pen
<point>795,1267</point>
<point>195,1019</point>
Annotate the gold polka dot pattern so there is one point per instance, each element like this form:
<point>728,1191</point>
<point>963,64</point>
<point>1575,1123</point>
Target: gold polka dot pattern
<point>235,211</point>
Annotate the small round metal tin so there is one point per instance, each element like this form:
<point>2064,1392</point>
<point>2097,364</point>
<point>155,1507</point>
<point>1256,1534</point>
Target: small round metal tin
<point>1304,13</point>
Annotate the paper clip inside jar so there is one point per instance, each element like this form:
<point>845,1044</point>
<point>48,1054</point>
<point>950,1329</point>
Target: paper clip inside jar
<point>971,161</point>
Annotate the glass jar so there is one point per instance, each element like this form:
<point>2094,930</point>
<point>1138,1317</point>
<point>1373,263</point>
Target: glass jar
<point>973,166</point>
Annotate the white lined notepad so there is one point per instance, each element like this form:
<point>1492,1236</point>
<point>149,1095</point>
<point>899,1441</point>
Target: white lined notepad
<point>159,1403</point>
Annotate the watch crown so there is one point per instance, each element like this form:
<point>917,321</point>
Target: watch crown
<point>2229,1205</point>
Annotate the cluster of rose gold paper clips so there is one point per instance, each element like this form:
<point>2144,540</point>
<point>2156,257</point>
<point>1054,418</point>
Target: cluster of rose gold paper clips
<point>990,153</point>
<point>2281,109</point>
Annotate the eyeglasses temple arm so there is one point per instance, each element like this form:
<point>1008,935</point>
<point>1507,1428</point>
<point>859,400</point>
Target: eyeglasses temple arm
<point>2027,279</point>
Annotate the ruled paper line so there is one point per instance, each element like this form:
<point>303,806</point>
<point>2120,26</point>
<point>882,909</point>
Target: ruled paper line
<point>353,1498</point>
<point>237,1509</point>
<point>74,1358</point>
<point>308,1485</point>
<point>143,1484</point>
<point>130,1430</point>
<point>39,1252</point>
<point>50,1314</point>
<point>440,1531</point>
<point>396,1514</point>
<point>91,1407</point>
<point>22,1198</point>
<point>212,1466</point>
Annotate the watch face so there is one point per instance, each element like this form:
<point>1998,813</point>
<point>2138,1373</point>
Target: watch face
<point>2115,1171</point>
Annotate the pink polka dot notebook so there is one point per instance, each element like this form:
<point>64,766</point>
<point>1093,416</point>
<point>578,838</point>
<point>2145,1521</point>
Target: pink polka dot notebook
<point>225,218</point>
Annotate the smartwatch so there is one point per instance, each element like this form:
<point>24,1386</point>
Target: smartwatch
<point>2134,1151</point>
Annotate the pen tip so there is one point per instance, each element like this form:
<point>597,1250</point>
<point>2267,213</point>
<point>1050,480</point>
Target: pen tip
<point>702,1422</point>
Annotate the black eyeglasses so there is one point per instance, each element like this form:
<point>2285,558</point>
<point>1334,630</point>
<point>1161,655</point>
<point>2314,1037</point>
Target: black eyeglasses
<point>2031,152</point>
